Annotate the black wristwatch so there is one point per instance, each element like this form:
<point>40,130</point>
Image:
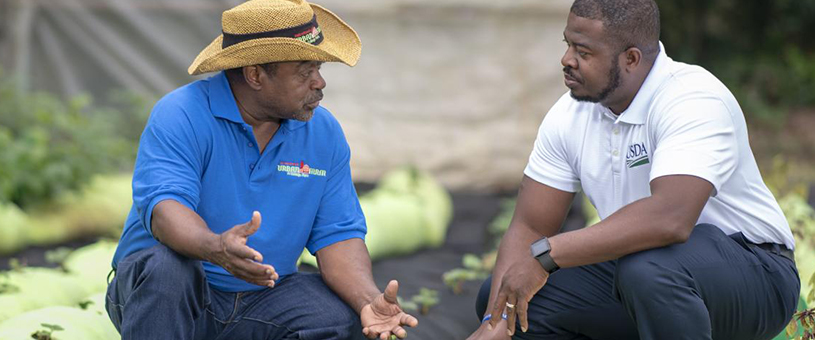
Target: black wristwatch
<point>540,250</point>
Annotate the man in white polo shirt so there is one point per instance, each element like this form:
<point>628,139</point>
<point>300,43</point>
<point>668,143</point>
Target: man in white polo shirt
<point>692,244</point>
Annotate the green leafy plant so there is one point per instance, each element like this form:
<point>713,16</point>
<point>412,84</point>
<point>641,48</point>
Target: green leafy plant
<point>807,320</point>
<point>407,305</point>
<point>421,302</point>
<point>85,304</point>
<point>425,299</point>
<point>475,268</point>
<point>48,333</point>
<point>57,256</point>
<point>50,145</point>
<point>5,286</point>
<point>800,215</point>
<point>16,265</point>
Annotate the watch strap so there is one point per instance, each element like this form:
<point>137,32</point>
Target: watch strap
<point>541,251</point>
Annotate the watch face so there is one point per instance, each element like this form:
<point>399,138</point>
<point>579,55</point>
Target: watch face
<point>540,247</point>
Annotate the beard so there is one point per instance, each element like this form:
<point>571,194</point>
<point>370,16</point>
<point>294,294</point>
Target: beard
<point>303,116</point>
<point>613,84</point>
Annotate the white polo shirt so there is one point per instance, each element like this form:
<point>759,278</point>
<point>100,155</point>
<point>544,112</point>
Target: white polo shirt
<point>683,121</point>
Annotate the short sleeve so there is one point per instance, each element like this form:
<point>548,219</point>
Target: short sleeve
<point>549,162</point>
<point>168,164</point>
<point>696,137</point>
<point>339,216</point>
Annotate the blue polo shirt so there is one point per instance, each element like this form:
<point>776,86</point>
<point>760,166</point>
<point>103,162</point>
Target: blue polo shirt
<point>197,150</point>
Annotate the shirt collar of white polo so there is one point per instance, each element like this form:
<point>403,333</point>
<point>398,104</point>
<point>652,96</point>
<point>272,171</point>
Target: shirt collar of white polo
<point>638,109</point>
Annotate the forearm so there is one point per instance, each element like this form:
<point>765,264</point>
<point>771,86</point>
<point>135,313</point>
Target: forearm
<point>539,212</point>
<point>181,229</point>
<point>346,268</point>
<point>645,224</point>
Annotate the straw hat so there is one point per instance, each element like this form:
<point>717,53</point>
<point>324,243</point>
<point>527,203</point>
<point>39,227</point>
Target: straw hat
<point>264,31</point>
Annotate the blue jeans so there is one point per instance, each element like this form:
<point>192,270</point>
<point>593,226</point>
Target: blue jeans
<point>713,286</point>
<point>160,294</point>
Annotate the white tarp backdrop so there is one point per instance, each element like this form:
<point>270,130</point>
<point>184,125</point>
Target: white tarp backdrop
<point>456,87</point>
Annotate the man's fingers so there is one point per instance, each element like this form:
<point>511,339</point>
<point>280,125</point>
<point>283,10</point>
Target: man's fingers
<point>391,291</point>
<point>497,309</point>
<point>409,320</point>
<point>400,332</point>
<point>369,333</point>
<point>510,310</point>
<point>245,252</point>
<point>253,225</point>
<point>385,335</point>
<point>522,307</point>
<point>254,271</point>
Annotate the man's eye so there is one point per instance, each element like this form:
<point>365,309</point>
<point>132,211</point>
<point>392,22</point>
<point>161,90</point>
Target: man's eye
<point>582,54</point>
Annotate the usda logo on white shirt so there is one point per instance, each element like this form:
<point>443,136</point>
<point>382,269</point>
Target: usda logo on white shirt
<point>637,155</point>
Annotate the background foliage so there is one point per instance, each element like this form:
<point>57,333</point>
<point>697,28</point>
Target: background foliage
<point>50,145</point>
<point>761,49</point>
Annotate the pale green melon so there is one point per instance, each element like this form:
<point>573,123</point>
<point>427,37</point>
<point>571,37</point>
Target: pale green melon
<point>407,211</point>
<point>34,288</point>
<point>76,324</point>
<point>99,209</point>
<point>90,265</point>
<point>12,224</point>
<point>434,202</point>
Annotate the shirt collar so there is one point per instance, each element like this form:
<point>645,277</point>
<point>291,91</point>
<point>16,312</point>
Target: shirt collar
<point>222,101</point>
<point>223,105</point>
<point>638,109</point>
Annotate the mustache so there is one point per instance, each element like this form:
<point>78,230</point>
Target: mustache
<point>569,71</point>
<point>318,95</point>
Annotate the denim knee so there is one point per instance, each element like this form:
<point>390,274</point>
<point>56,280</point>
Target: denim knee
<point>167,265</point>
<point>342,318</point>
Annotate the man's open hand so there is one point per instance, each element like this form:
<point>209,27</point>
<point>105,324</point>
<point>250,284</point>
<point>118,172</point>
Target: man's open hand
<point>383,316</point>
<point>240,260</point>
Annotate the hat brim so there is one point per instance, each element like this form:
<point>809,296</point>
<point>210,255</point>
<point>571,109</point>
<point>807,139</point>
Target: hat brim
<point>340,44</point>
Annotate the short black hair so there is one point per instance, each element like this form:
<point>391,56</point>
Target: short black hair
<point>630,23</point>
<point>236,74</point>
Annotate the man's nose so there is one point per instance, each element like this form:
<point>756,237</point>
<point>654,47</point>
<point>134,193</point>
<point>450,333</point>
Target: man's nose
<point>319,82</point>
<point>568,59</point>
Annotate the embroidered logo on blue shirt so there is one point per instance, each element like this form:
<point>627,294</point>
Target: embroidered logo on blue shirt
<point>299,169</point>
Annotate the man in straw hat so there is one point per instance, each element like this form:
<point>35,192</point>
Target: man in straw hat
<point>691,245</point>
<point>251,141</point>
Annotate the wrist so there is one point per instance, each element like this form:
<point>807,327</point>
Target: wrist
<point>212,246</point>
<point>542,251</point>
<point>364,300</point>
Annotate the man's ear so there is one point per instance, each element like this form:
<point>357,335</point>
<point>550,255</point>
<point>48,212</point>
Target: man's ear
<point>252,74</point>
<point>633,59</point>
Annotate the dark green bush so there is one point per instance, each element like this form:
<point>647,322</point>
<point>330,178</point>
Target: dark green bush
<point>761,49</point>
<point>49,145</point>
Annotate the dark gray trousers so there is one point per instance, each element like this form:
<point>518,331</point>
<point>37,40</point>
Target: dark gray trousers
<point>713,286</point>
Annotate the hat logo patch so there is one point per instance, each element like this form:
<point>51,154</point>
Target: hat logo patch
<point>310,36</point>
